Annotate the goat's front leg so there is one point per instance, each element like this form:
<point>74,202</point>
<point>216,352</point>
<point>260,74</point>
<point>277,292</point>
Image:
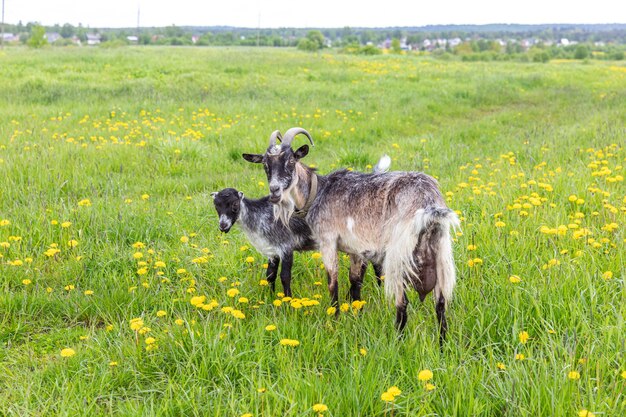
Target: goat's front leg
<point>272,271</point>
<point>329,257</point>
<point>285,273</point>
<point>357,272</point>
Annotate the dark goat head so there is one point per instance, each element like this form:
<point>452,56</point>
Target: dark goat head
<point>279,161</point>
<point>228,205</point>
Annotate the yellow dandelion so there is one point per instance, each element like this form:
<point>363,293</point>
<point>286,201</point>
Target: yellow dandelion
<point>113,363</point>
<point>395,391</point>
<point>72,243</point>
<point>514,279</point>
<point>277,303</point>
<point>607,275</point>
<point>270,327</point>
<point>520,357</point>
<point>161,313</point>
<point>363,351</point>
<point>145,196</point>
<point>68,352</point>
<point>65,225</point>
<point>26,281</point>
<point>88,292</point>
<point>344,307</point>
<point>523,337</point>
<point>179,322</point>
<point>429,387</point>
<point>84,202</point>
<point>136,324</point>
<point>501,366</point>
<point>249,259</point>
<point>232,292</point>
<point>316,255</point>
<point>574,375</point>
<point>387,397</point>
<point>184,239</point>
<point>425,375</point>
<point>320,408</point>
<point>238,314</point>
<point>289,342</point>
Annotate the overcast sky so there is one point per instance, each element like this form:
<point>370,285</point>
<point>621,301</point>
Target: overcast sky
<point>312,13</point>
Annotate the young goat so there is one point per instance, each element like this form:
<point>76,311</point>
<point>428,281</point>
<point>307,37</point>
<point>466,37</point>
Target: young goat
<point>277,241</point>
<point>399,219</point>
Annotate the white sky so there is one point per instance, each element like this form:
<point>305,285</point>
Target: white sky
<point>311,13</point>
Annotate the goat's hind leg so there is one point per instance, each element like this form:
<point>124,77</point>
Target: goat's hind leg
<point>357,272</point>
<point>440,309</point>
<point>329,257</point>
<point>378,271</point>
<point>401,315</point>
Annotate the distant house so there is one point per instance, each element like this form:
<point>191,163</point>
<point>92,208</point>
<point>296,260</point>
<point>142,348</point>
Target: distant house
<point>454,42</point>
<point>93,38</point>
<point>132,39</point>
<point>10,37</point>
<point>52,37</point>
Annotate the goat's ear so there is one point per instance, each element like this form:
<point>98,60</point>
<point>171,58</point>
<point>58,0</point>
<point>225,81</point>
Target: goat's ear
<point>240,195</point>
<point>254,158</point>
<point>301,152</point>
<point>214,194</point>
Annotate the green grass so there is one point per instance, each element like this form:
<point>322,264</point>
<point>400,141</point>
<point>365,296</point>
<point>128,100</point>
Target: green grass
<point>146,134</point>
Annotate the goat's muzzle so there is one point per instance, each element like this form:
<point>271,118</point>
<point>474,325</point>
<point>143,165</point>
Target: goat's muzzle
<point>275,194</point>
<point>225,227</point>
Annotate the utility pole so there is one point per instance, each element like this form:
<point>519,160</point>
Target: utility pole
<point>138,15</point>
<point>258,30</point>
<point>2,24</point>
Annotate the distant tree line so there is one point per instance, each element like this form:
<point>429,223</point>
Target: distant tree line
<point>537,43</point>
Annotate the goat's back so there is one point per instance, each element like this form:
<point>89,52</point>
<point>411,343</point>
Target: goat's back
<point>360,210</point>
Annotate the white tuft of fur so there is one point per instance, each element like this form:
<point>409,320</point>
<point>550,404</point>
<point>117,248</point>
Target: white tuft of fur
<point>446,271</point>
<point>399,263</point>
<point>382,165</point>
<point>399,255</point>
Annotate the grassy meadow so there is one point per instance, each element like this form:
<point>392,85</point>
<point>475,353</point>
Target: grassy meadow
<point>120,296</point>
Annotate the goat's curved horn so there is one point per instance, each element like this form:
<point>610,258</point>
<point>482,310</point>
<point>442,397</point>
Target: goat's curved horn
<point>293,132</point>
<point>275,135</point>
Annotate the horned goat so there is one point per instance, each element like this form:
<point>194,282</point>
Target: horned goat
<point>399,219</point>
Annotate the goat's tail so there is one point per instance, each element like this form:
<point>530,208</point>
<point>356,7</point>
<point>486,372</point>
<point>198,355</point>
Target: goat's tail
<point>422,242</point>
<point>382,165</point>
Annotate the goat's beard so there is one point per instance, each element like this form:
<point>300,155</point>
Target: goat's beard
<point>284,209</point>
